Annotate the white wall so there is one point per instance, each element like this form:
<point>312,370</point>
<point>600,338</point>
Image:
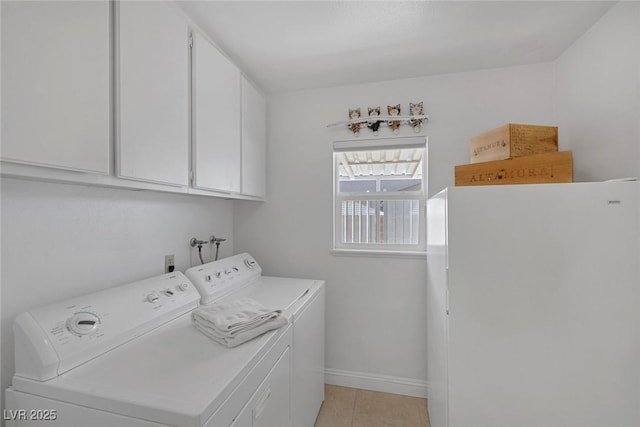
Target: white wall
<point>60,241</point>
<point>376,320</point>
<point>376,306</point>
<point>598,96</point>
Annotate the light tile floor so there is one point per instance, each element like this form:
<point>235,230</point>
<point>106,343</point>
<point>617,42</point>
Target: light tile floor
<point>351,407</point>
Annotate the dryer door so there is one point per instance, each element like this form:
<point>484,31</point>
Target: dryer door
<point>269,405</point>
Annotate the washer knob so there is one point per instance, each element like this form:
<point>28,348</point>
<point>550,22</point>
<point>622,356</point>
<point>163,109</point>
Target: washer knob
<point>183,286</point>
<point>83,323</point>
<point>153,297</point>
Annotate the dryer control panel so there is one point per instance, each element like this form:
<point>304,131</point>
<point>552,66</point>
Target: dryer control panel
<point>218,278</point>
<point>56,338</point>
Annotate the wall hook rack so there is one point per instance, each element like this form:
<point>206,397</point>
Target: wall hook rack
<point>383,119</point>
<point>393,120</point>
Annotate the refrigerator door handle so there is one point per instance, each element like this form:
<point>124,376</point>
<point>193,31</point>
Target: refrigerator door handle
<point>446,293</point>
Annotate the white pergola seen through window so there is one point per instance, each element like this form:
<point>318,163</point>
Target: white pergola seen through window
<point>380,194</point>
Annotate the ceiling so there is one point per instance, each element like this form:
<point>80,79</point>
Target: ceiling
<point>292,45</point>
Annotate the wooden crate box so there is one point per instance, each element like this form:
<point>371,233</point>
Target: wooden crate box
<point>536,169</point>
<point>513,140</point>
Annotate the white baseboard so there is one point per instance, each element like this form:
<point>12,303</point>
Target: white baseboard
<point>375,382</point>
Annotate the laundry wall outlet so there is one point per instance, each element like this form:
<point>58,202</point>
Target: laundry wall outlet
<point>169,263</point>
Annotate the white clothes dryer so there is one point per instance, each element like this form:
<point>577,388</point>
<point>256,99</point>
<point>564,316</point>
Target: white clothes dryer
<point>130,356</point>
<point>241,276</point>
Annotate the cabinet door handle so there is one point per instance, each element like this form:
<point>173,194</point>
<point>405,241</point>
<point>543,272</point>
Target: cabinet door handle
<point>262,403</point>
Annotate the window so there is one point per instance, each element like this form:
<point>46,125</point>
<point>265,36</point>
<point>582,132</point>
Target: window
<point>380,194</point>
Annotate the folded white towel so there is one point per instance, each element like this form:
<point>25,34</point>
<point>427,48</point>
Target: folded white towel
<point>235,322</point>
<point>234,317</point>
<point>240,338</point>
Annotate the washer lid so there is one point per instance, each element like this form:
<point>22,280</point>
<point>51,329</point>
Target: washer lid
<point>54,339</point>
<point>174,375</point>
<point>284,293</point>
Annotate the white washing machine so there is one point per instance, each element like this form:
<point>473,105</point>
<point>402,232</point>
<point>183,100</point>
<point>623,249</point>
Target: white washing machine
<point>130,356</point>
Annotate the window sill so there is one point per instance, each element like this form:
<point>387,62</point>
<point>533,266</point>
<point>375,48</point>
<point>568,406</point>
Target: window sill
<point>379,253</point>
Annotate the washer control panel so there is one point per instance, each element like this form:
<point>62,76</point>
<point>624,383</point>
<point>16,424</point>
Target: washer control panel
<point>218,278</point>
<point>53,339</point>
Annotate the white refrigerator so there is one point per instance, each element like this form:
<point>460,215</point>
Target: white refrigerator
<point>533,306</point>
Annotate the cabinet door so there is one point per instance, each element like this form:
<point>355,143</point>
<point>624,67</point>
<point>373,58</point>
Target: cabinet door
<point>216,119</point>
<point>153,93</point>
<point>56,84</point>
<point>254,133</point>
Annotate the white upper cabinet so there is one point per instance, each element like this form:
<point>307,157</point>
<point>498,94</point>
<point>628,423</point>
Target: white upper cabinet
<point>216,119</point>
<point>152,58</point>
<point>56,84</point>
<point>113,88</point>
<point>254,131</point>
